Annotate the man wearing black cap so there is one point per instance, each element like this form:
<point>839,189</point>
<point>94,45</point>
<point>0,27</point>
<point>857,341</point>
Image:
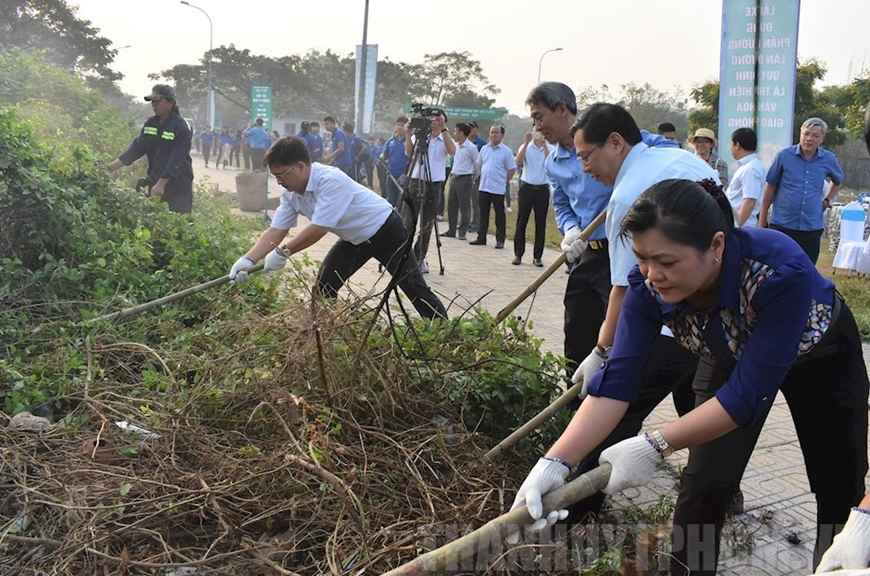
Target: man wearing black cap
<point>165,140</point>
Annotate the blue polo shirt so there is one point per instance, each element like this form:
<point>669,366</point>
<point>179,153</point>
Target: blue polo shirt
<point>577,198</point>
<point>257,137</point>
<point>800,185</point>
<point>479,142</point>
<point>396,159</point>
<point>762,269</point>
<point>345,159</point>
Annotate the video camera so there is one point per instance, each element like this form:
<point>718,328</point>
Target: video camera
<point>421,122</point>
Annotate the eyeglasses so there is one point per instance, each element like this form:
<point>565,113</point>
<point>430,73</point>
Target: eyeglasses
<point>280,177</point>
<point>585,159</point>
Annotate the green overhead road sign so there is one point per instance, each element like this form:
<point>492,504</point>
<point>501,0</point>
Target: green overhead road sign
<point>469,113</point>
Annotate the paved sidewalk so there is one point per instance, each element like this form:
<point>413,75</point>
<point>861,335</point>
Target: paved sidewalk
<point>776,534</point>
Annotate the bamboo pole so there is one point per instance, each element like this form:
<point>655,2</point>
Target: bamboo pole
<point>170,298</point>
<point>527,428</point>
<point>548,271</point>
<point>488,538</point>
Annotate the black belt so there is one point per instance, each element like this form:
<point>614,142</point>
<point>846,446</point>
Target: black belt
<point>598,244</point>
<point>460,175</point>
<point>535,185</point>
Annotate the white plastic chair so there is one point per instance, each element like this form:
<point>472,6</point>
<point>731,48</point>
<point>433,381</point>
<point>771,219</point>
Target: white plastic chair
<point>851,250</point>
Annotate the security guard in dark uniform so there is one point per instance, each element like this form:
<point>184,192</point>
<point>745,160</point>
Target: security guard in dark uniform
<point>165,139</point>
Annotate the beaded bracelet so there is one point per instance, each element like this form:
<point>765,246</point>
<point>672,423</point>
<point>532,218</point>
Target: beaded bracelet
<point>559,460</point>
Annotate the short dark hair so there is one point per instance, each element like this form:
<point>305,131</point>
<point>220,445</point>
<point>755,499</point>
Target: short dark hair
<point>313,124</point>
<point>287,151</point>
<point>746,137</point>
<point>601,119</point>
<point>683,210</point>
<point>259,121</point>
<point>550,94</point>
<point>347,126</point>
<point>329,119</point>
<point>498,126</point>
<point>402,120</point>
<point>666,127</point>
<point>473,124</point>
<point>464,128</point>
<point>305,127</point>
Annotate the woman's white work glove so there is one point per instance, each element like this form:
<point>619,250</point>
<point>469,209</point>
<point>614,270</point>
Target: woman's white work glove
<point>546,476</point>
<point>587,369</point>
<point>239,271</point>
<point>634,462</point>
<point>851,547</point>
<point>275,260</point>
<point>572,244</point>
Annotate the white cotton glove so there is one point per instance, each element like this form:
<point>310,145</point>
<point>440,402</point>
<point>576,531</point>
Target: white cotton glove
<point>275,260</point>
<point>587,369</point>
<point>572,244</point>
<point>634,462</point>
<point>546,476</point>
<point>851,547</point>
<point>239,271</point>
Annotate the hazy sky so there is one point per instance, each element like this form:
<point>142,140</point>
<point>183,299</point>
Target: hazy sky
<point>672,44</point>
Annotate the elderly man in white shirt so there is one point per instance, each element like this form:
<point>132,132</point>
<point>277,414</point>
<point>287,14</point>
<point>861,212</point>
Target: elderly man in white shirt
<point>747,185</point>
<point>366,224</point>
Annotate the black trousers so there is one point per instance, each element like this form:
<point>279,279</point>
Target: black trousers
<point>827,395</point>
<point>809,240</point>
<point>206,154</point>
<point>459,204</point>
<point>485,200</point>
<point>531,197</point>
<point>424,195</point>
<point>387,246</point>
<point>586,297</point>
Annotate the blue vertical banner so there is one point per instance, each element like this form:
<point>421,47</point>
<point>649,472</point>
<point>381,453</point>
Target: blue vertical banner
<point>364,118</point>
<point>758,70</point>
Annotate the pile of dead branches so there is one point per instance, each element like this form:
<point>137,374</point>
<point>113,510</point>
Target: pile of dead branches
<point>282,445</point>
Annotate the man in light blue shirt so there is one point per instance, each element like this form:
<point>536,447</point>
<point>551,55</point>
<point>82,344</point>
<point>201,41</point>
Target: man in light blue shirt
<point>795,186</point>
<point>497,167</point>
<point>257,138</point>
<point>746,186</point>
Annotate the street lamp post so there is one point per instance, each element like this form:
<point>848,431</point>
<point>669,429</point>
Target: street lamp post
<point>541,61</point>
<point>210,38</point>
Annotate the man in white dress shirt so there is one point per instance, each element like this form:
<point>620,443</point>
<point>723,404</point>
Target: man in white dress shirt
<point>747,185</point>
<point>365,223</point>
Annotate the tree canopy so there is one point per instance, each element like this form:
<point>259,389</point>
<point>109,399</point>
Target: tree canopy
<point>52,27</point>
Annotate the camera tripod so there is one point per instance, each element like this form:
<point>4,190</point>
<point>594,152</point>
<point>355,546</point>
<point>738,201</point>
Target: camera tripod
<point>416,200</point>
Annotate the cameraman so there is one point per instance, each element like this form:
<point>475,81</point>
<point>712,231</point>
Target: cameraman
<point>427,178</point>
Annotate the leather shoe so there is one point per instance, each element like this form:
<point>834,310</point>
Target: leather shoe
<point>478,242</point>
<point>499,246</point>
<point>538,262</point>
<point>517,261</point>
<point>448,234</point>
